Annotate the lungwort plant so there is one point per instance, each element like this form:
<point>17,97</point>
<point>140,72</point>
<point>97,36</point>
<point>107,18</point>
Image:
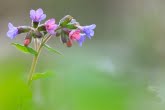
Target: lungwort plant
<point>68,30</point>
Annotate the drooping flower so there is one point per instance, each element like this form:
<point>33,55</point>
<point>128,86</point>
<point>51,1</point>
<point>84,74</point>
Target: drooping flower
<point>51,26</point>
<point>74,35</point>
<point>88,30</point>
<point>81,40</point>
<point>12,32</point>
<point>37,16</point>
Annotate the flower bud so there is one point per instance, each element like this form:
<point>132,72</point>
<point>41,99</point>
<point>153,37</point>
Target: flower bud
<point>69,43</point>
<point>27,42</point>
<point>28,39</point>
<point>65,20</point>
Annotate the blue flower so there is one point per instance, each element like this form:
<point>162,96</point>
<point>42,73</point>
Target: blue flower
<point>88,30</point>
<point>81,40</point>
<point>38,15</point>
<point>12,32</point>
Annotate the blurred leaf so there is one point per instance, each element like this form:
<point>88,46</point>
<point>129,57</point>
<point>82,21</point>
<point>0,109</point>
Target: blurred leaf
<point>42,75</point>
<point>25,49</point>
<point>51,49</point>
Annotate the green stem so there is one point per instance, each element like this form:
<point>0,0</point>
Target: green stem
<point>33,67</point>
<point>35,59</point>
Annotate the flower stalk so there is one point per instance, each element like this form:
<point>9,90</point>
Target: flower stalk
<point>36,57</point>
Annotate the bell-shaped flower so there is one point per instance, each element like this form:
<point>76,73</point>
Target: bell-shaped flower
<point>50,26</point>
<point>88,30</point>
<point>12,32</point>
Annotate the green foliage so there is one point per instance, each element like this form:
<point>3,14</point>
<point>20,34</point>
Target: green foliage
<point>25,49</point>
<point>51,49</point>
<point>42,75</point>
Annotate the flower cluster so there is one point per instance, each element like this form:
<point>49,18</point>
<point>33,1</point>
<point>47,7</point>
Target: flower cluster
<point>68,29</point>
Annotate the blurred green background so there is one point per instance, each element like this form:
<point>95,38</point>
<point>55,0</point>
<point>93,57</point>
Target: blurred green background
<point>121,68</point>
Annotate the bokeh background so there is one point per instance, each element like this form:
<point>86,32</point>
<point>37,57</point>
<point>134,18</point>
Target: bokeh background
<point>121,68</point>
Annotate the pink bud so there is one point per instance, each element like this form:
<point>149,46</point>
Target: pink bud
<point>27,42</point>
<point>69,43</point>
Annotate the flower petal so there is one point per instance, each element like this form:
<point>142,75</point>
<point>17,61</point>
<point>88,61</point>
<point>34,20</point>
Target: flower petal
<point>91,33</point>
<point>39,11</point>
<point>32,14</point>
<point>42,17</point>
<point>52,21</point>
<point>10,26</point>
<point>52,32</point>
<point>81,40</point>
<point>93,26</point>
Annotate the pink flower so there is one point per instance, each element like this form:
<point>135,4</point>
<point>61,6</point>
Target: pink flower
<point>74,35</point>
<point>51,26</point>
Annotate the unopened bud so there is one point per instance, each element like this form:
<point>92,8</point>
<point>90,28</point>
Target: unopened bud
<point>69,43</point>
<point>65,20</point>
<point>28,39</point>
<point>27,42</point>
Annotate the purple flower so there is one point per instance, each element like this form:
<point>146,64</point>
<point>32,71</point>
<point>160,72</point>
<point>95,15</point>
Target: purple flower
<point>38,15</point>
<point>82,39</point>
<point>12,32</point>
<point>88,30</point>
<point>51,26</point>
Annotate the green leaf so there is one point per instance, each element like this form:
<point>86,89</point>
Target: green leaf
<point>25,49</point>
<point>51,49</point>
<point>37,76</point>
